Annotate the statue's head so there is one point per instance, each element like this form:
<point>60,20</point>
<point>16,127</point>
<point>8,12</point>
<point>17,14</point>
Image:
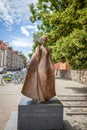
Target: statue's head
<point>44,40</point>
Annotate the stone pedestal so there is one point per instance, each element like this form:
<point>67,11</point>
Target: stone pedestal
<point>43,116</point>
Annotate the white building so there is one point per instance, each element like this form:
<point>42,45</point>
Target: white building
<point>10,58</point>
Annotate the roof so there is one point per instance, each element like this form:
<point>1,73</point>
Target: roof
<point>3,45</point>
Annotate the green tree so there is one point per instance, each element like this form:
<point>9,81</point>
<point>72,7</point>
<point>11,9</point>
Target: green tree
<point>37,41</point>
<point>65,24</point>
<point>24,58</point>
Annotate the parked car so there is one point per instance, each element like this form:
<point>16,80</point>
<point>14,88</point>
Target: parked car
<point>3,70</point>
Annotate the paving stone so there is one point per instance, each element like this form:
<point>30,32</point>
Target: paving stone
<point>2,125</point>
<point>65,89</point>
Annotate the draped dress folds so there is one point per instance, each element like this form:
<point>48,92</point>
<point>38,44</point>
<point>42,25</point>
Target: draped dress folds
<point>40,80</point>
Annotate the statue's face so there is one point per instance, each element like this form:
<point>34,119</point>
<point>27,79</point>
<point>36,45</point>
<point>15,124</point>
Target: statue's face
<point>44,40</point>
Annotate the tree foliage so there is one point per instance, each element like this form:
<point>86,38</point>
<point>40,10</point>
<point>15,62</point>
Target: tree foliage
<point>24,58</point>
<point>65,24</point>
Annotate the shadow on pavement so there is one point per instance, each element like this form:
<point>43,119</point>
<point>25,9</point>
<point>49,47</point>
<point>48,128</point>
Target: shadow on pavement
<point>82,90</point>
<point>62,78</point>
<point>67,125</point>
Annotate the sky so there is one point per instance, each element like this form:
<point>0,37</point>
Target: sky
<point>15,27</point>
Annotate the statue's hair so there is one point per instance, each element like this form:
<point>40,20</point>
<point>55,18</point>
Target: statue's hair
<point>44,37</point>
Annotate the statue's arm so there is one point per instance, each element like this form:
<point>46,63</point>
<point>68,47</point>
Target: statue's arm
<point>34,59</point>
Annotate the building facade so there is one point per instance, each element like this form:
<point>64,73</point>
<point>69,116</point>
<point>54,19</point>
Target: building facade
<point>10,58</point>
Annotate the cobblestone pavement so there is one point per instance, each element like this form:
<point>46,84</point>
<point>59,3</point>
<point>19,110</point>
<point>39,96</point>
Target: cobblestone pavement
<point>72,95</point>
<point>74,98</point>
<point>10,96</point>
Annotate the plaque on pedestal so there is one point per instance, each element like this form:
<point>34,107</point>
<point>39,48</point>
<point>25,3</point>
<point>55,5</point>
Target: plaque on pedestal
<point>40,116</point>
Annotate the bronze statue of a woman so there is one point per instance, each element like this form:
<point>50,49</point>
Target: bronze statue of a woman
<point>39,84</point>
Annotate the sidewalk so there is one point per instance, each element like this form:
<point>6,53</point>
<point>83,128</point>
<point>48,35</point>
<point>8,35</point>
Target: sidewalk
<point>10,96</point>
<point>69,87</point>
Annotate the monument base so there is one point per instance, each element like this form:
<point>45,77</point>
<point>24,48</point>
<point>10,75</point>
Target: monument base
<point>40,116</point>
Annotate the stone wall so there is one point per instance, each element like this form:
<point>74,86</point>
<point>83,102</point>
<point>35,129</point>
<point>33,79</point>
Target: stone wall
<point>75,75</point>
<point>79,76</point>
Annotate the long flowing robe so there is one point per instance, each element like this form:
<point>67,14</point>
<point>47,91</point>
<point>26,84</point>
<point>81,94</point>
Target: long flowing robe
<point>40,80</point>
